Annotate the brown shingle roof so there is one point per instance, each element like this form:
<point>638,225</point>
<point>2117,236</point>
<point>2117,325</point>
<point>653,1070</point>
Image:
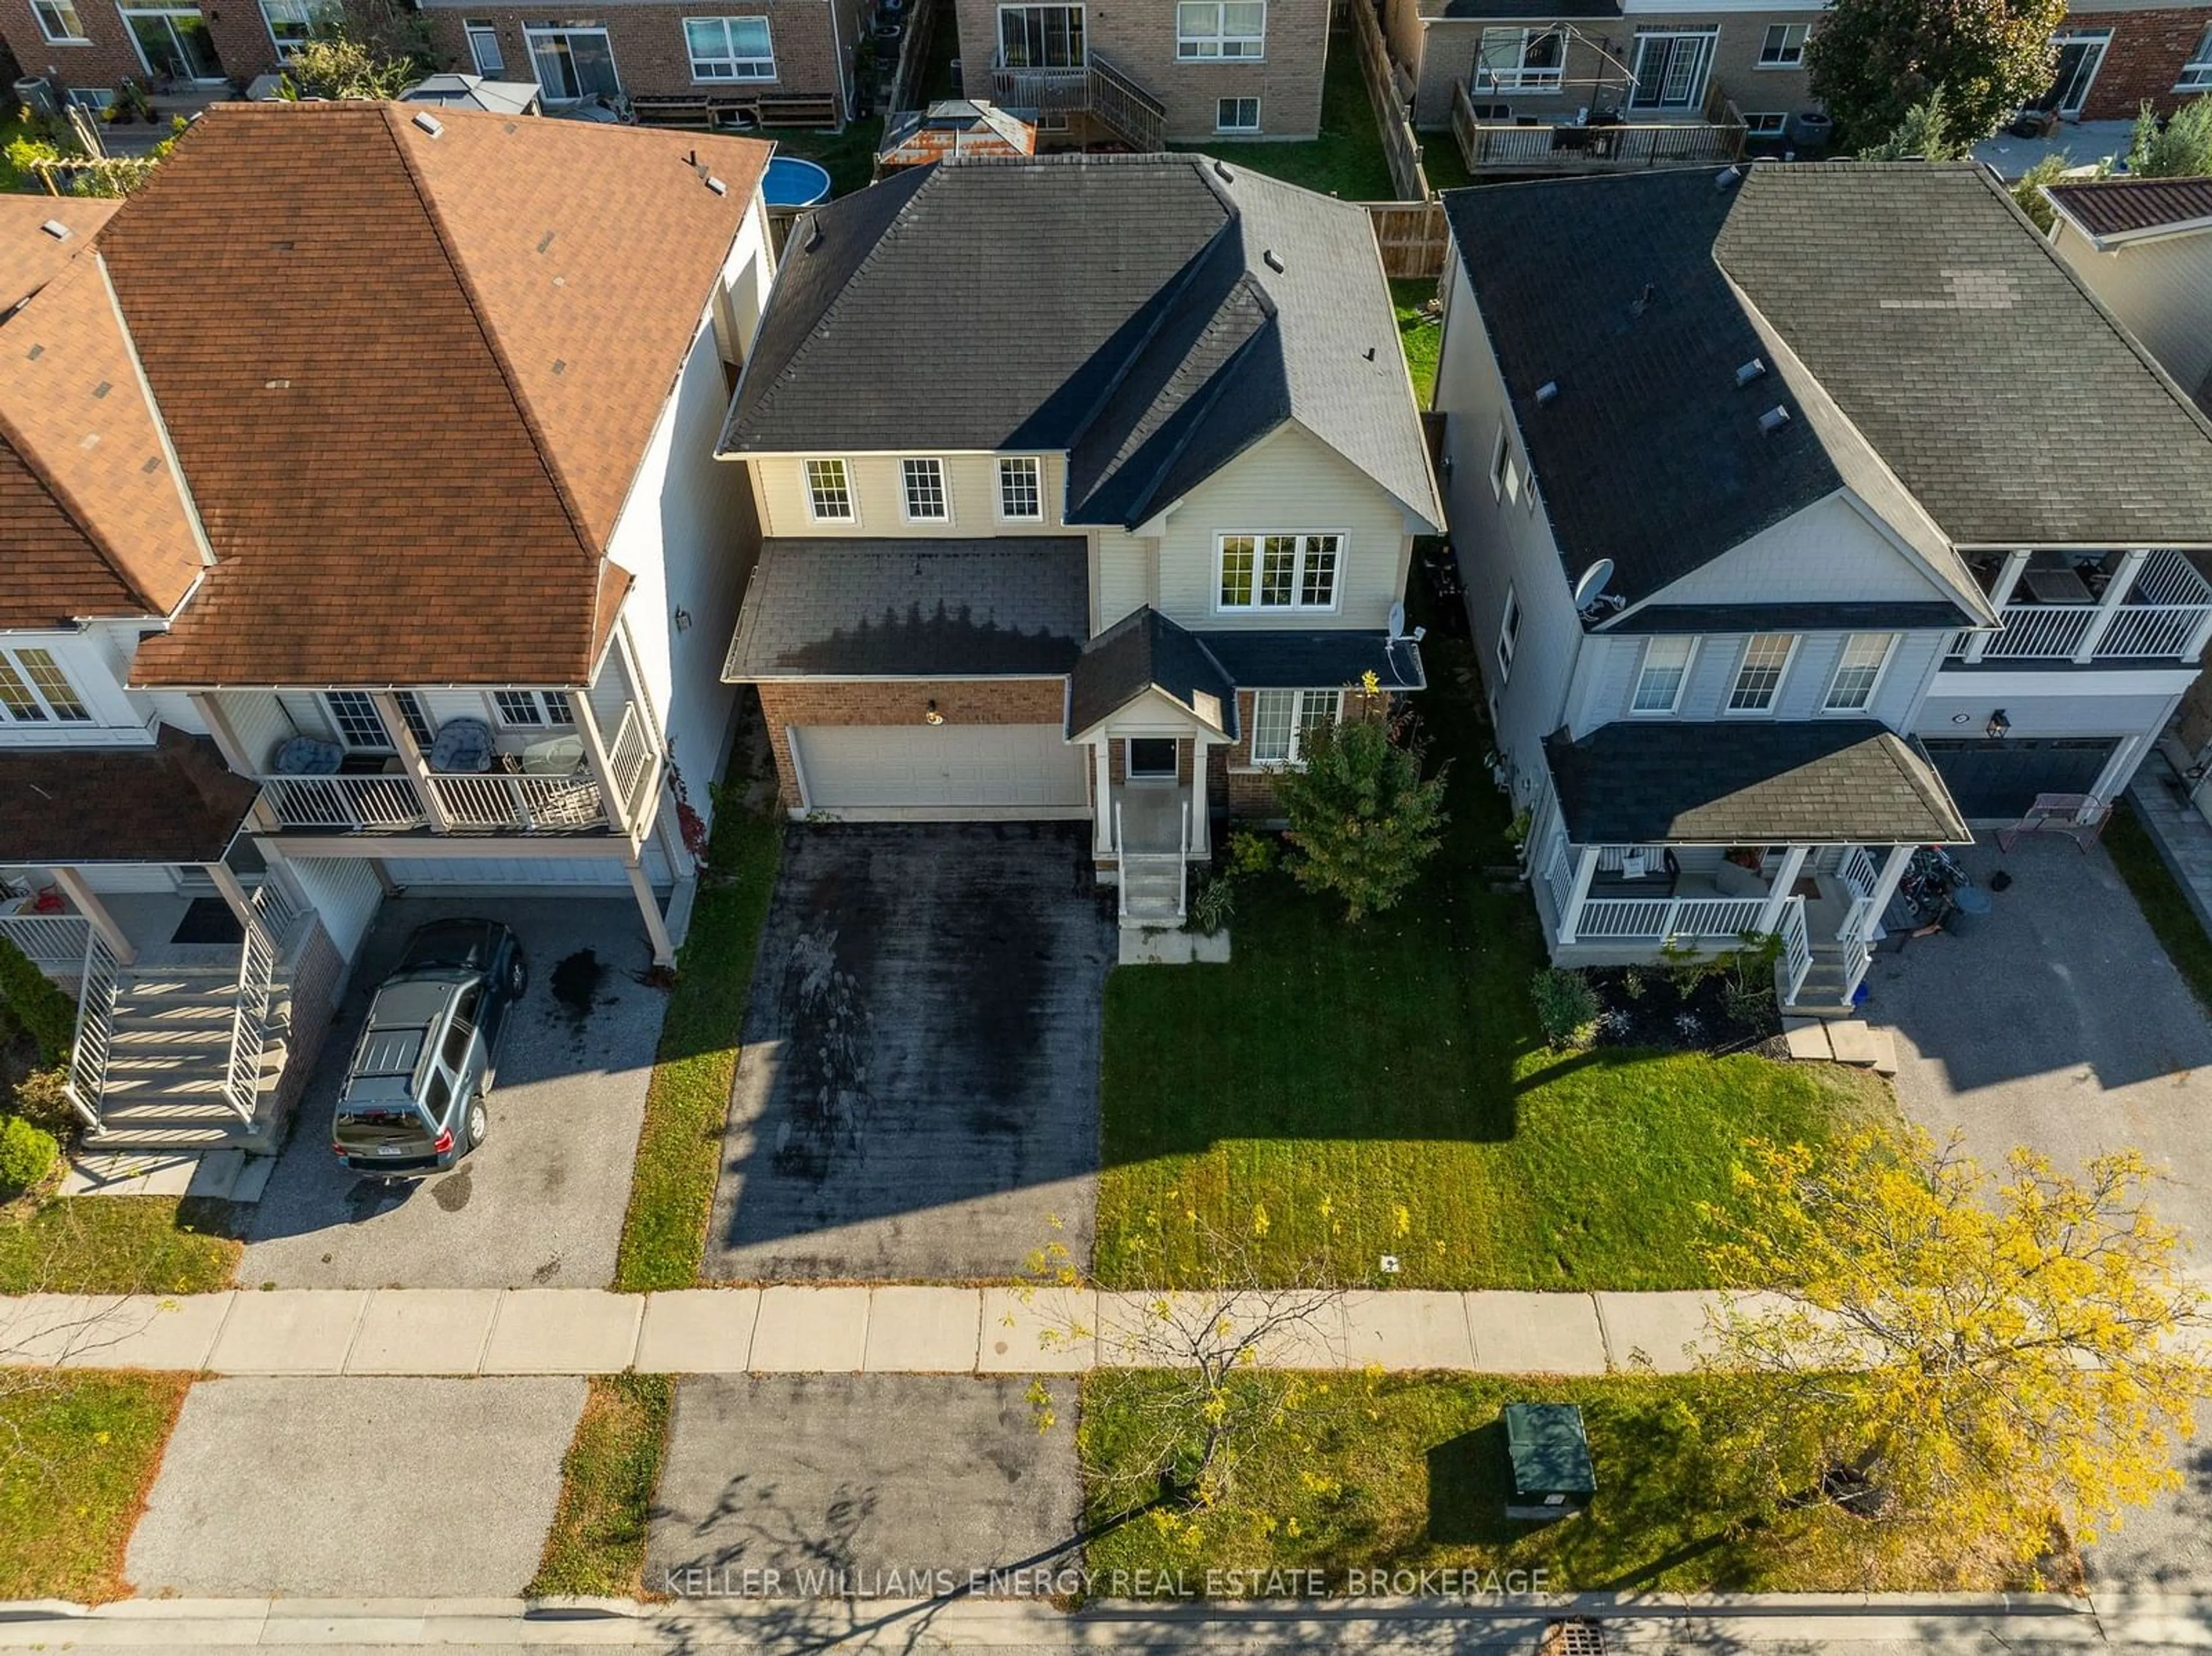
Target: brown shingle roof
<point>2130,207</point>
<point>410,378</point>
<point>29,258</point>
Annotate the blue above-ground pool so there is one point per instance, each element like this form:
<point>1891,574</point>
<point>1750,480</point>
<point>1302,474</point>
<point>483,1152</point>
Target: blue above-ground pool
<point>791,182</point>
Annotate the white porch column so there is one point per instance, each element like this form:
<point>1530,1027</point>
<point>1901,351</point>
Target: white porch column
<point>1585,872</point>
<point>1777,895</point>
<point>2113,779</point>
<point>402,743</point>
<point>1101,792</point>
<point>233,894</point>
<point>656,928</point>
<point>1884,887</point>
<point>86,903</point>
<point>2000,595</point>
<point>595,755</point>
<point>1199,751</point>
<point>2108,606</point>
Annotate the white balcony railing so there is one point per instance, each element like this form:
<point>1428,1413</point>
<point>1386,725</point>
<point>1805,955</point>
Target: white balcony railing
<point>497,803</point>
<point>54,941</point>
<point>1655,919</point>
<point>353,805</point>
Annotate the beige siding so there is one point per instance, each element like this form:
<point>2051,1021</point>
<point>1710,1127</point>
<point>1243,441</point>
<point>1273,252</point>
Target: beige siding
<point>971,480</point>
<point>2162,290</point>
<point>1291,483</point>
<point>1827,553</point>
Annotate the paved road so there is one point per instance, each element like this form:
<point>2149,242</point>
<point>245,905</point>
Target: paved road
<point>918,1092</point>
<point>541,1202</point>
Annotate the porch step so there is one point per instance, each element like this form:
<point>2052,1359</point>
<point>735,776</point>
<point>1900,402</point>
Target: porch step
<point>1149,897</point>
<point>168,1061</point>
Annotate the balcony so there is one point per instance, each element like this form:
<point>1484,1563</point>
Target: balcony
<point>1566,146</point>
<point>1096,89</point>
<point>2130,608</point>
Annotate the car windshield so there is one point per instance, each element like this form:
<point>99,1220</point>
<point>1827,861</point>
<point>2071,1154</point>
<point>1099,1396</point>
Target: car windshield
<point>449,943</point>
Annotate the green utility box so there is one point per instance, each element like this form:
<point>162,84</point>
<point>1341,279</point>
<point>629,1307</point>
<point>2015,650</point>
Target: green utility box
<point>1553,1476</point>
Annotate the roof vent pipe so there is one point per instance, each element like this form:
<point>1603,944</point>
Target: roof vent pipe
<point>1274,263</point>
<point>1643,300</point>
<point>1727,178</point>
<point>1223,173</point>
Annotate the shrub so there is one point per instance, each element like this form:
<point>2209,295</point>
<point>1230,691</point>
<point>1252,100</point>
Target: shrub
<point>2183,148</point>
<point>1253,853</point>
<point>1215,902</point>
<point>1566,1006</point>
<point>45,1013</point>
<point>27,1154</point>
<point>42,1099</point>
<point>1362,819</point>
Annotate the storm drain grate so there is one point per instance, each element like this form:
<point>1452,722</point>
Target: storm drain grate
<point>1573,1639</point>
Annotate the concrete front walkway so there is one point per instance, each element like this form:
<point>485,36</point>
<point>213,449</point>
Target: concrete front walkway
<point>911,1331</point>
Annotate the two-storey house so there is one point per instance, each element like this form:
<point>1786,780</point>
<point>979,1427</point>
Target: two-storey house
<point>1793,542</point>
<point>365,534</point>
<point>1102,541</point>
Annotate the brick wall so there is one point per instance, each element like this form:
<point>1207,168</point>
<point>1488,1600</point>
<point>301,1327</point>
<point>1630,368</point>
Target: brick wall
<point>2144,59</point>
<point>1250,793</point>
<point>961,701</point>
<point>318,975</point>
<point>647,43</point>
<point>1138,37</point>
<point>241,41</point>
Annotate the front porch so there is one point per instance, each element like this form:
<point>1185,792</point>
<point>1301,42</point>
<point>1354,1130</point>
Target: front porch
<point>1151,823</point>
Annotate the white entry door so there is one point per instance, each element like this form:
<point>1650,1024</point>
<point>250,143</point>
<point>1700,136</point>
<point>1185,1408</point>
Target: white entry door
<point>941,771</point>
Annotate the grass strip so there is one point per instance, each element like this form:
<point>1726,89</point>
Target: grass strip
<point>596,1547</point>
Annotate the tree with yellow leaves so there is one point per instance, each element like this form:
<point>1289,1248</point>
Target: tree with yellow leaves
<point>1961,1360</point>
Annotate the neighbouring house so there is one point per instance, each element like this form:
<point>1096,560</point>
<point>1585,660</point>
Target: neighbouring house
<point>474,92</point>
<point>1807,515</point>
<point>1107,554</point>
<point>365,533</point>
<point>1177,71</point>
<point>1536,86</point>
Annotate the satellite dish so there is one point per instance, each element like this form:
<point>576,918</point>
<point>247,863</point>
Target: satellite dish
<point>1397,621</point>
<point>1591,587</point>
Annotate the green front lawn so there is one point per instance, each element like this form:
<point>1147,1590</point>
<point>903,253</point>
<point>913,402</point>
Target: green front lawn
<point>1409,1472</point>
<point>115,1245</point>
<point>1382,1088</point>
<point>2160,897</point>
<point>78,1452</point>
<point>1347,159</point>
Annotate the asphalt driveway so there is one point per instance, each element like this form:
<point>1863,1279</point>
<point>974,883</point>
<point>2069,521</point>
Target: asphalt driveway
<point>834,1481</point>
<point>918,1093</point>
<point>541,1202</point>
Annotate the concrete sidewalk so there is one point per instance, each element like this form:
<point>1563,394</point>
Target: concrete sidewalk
<point>889,1329</point>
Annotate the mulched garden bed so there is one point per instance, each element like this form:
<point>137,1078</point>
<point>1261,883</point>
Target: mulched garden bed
<point>1644,1006</point>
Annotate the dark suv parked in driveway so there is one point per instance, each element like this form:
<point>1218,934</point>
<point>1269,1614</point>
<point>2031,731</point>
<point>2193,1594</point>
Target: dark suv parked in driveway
<point>413,1100</point>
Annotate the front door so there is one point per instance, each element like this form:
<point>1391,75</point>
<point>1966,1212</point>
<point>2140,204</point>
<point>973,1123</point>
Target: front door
<point>2080,58</point>
<point>1152,758</point>
<point>175,42</point>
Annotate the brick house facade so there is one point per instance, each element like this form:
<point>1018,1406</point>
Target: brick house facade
<point>105,56</point>
<point>1138,38</point>
<point>2145,59</point>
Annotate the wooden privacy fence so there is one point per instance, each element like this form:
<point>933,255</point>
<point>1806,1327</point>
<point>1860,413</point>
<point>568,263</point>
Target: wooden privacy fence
<point>1399,147</point>
<point>1413,237</point>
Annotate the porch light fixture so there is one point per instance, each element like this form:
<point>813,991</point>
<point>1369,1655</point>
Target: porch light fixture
<point>1998,724</point>
<point>931,716</point>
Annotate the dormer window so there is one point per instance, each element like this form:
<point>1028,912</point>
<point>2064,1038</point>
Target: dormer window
<point>926,499</point>
<point>829,491</point>
<point>34,691</point>
<point>1021,489</point>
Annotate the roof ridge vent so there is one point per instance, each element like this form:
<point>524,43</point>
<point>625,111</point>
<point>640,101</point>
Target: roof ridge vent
<point>1754,369</point>
<point>1774,419</point>
<point>424,121</point>
<point>1273,260</point>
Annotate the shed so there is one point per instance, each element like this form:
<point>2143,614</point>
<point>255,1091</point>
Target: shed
<point>1553,1476</point>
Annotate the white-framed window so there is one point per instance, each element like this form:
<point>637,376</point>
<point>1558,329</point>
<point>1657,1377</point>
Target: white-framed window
<point>1283,721</point>
<point>1767,123</point>
<point>292,23</point>
<point>573,61</point>
<point>483,47</point>
<point>418,719</point>
<point>1759,675</point>
<point>1040,37</point>
<point>58,21</point>
<point>729,48</point>
<point>1671,67</point>
<point>533,708</point>
<point>92,99</point>
<point>1783,46</point>
<point>1520,60</point>
<point>2197,73</point>
<point>1278,572</point>
<point>1236,115</point>
<point>922,484</point>
<point>1508,633</point>
<point>1210,29</point>
<point>1858,670</point>
<point>830,491</point>
<point>1665,670</point>
<point>1021,489</point>
<point>1504,466</point>
<point>34,691</point>
<point>353,715</point>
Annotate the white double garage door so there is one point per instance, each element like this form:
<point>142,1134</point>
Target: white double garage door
<point>940,772</point>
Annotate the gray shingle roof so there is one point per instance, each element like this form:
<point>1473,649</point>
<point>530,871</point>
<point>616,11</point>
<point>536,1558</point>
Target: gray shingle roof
<point>1818,781</point>
<point>892,609</point>
<point>1128,309</point>
<point>1316,661</point>
<point>1938,344</point>
<point>1144,650</point>
<point>1866,617</point>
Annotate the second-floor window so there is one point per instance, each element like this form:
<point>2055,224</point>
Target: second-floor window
<point>57,20</point>
<point>1505,468</point>
<point>1207,29</point>
<point>829,491</point>
<point>1279,572</point>
<point>533,707</point>
<point>2197,73</point>
<point>1784,45</point>
<point>34,691</point>
<point>1521,60</point>
<point>574,61</point>
<point>1283,721</point>
<point>1040,37</point>
<point>1021,489</point>
<point>354,716</point>
<point>1509,634</point>
<point>924,484</point>
<point>1759,675</point>
<point>1659,681</point>
<point>293,23</point>
<point>729,48</point>
<point>1858,670</point>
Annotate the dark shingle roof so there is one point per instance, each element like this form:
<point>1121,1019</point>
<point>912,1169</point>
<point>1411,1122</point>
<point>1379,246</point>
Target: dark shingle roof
<point>1821,781</point>
<point>176,802</point>
<point>1933,339</point>
<point>1315,660</point>
<point>1534,9</point>
<point>1144,650</point>
<point>2120,208</point>
<point>877,609</point>
<point>1152,335</point>
<point>1866,617</point>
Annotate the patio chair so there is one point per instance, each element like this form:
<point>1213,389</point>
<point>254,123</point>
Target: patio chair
<point>2080,816</point>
